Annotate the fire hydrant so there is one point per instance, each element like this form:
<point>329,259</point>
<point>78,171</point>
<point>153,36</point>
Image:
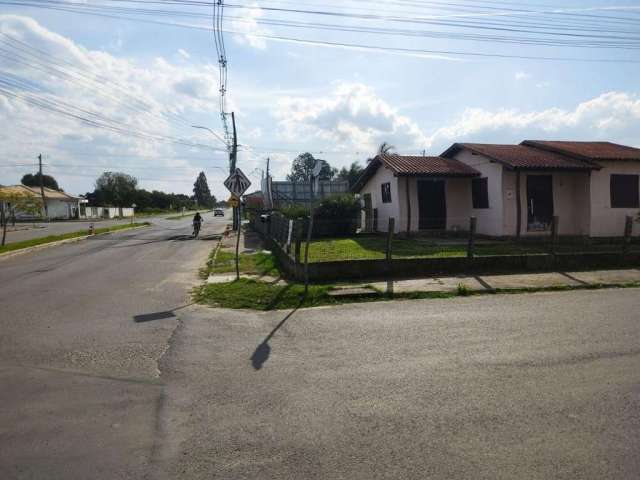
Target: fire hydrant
<point>91,230</point>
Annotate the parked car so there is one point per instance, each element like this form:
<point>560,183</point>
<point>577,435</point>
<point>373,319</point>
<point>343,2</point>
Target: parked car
<point>218,213</point>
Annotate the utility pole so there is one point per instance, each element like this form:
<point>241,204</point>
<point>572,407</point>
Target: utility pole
<point>233,157</point>
<point>44,202</point>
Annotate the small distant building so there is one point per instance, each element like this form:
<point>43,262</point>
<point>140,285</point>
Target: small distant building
<point>254,200</point>
<point>59,205</point>
<point>285,194</point>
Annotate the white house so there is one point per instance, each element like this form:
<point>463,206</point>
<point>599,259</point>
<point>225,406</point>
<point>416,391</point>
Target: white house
<point>513,190</point>
<point>59,205</point>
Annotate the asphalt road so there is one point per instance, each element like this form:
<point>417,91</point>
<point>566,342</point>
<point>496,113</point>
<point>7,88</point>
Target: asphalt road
<point>107,372</point>
<point>82,327</point>
<point>542,386</point>
<point>28,231</point>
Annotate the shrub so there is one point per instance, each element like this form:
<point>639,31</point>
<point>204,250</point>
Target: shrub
<point>295,211</point>
<point>337,216</point>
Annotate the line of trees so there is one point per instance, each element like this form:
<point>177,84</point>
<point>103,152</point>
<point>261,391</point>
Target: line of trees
<point>121,190</point>
<point>302,168</point>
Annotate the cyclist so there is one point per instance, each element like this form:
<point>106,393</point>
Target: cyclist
<point>197,222</point>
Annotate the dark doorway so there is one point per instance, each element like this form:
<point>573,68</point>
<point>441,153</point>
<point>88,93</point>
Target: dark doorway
<point>432,205</point>
<point>368,213</point>
<point>539,202</point>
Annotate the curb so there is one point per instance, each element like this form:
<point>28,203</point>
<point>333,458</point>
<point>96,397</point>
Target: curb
<point>42,246</point>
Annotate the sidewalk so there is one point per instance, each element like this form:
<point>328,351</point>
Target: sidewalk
<point>491,283</point>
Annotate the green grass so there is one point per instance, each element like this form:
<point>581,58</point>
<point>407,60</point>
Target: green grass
<point>374,248</point>
<point>251,294</point>
<point>10,247</point>
<point>259,263</point>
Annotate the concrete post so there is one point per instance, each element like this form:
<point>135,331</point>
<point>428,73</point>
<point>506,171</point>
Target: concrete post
<point>554,234</point>
<point>473,221</point>
<point>628,229</point>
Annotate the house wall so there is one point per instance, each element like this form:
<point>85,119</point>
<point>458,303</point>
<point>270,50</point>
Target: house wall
<point>607,221</point>
<point>570,202</point>
<point>490,220</point>
<point>59,209</point>
<point>385,210</point>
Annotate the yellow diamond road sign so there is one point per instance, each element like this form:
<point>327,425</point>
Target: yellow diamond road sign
<point>233,201</point>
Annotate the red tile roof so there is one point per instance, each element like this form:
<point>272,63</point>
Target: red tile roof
<point>523,156</point>
<point>414,165</point>
<point>588,150</point>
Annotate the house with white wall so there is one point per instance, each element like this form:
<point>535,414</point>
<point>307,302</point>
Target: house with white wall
<point>512,190</point>
<point>59,205</point>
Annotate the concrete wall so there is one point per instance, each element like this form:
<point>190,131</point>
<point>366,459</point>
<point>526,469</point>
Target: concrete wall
<point>385,210</point>
<point>570,202</point>
<point>490,220</point>
<point>607,221</point>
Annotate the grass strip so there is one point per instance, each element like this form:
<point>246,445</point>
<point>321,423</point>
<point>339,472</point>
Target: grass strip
<point>10,247</point>
<point>255,295</point>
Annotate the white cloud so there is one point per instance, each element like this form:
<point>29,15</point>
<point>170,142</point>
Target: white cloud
<point>183,53</point>
<point>140,96</point>
<point>611,116</point>
<point>248,25</point>
<point>522,76</point>
<point>352,115</point>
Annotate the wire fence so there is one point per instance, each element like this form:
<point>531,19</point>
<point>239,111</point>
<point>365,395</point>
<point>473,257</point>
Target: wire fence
<point>345,240</point>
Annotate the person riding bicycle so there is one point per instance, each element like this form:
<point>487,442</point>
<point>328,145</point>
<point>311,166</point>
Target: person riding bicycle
<point>197,222</point>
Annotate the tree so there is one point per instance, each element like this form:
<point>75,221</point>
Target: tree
<point>33,180</point>
<point>202,193</point>
<point>10,203</point>
<point>116,188</point>
<point>350,174</point>
<point>302,169</point>
<point>385,148</point>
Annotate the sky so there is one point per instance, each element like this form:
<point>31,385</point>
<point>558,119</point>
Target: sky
<point>120,90</point>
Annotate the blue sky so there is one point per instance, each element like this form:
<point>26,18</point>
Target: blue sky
<point>290,97</point>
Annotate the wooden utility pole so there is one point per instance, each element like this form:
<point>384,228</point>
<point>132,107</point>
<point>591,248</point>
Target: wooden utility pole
<point>44,201</point>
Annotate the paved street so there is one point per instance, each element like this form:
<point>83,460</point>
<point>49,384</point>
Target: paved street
<point>83,326</point>
<point>106,372</point>
<point>28,231</point>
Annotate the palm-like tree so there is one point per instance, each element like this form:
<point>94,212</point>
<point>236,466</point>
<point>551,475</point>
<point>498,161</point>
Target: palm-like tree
<point>384,149</point>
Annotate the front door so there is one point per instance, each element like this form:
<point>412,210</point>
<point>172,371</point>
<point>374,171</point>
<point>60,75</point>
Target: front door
<point>539,202</point>
<point>432,206</point>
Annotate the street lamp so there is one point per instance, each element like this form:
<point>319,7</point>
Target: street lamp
<point>217,135</point>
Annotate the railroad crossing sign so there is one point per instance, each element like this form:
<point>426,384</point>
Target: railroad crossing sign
<point>237,183</point>
<point>233,201</point>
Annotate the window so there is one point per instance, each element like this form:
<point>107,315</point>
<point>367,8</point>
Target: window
<point>624,191</point>
<point>480,193</point>
<point>386,192</point>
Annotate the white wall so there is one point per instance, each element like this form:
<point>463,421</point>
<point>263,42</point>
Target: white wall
<point>570,202</point>
<point>490,220</point>
<point>607,221</point>
<point>59,209</point>
<point>385,210</point>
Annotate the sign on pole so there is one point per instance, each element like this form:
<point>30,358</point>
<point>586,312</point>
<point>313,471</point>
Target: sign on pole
<point>233,201</point>
<point>237,183</point>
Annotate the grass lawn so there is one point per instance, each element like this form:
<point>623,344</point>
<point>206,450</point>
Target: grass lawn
<point>374,247</point>
<point>10,247</point>
<point>259,263</point>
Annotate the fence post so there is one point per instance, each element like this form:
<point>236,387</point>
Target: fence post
<point>473,222</point>
<point>390,232</point>
<point>299,230</point>
<point>628,228</point>
<point>554,234</point>
<point>289,235</point>
<point>306,252</point>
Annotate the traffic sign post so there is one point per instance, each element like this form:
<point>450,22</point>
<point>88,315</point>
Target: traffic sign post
<point>237,183</point>
<point>234,201</point>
